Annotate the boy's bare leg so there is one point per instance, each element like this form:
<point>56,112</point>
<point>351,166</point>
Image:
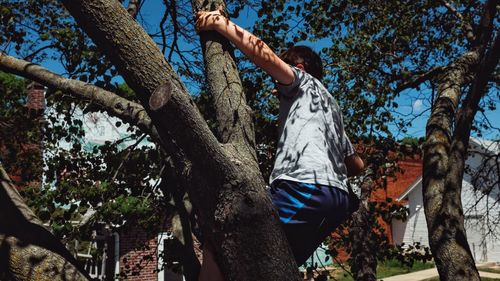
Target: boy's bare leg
<point>210,271</point>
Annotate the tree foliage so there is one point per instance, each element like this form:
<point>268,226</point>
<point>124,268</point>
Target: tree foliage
<point>379,57</point>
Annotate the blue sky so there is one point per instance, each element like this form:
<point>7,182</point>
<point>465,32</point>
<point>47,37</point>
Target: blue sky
<point>412,102</point>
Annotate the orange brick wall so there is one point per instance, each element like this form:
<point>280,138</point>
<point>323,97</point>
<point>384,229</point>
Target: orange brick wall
<point>36,96</point>
<point>135,245</point>
<point>35,101</point>
<point>411,170</point>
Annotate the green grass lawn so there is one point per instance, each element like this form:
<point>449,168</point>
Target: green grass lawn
<point>394,267</point>
<point>489,269</point>
<point>391,268</point>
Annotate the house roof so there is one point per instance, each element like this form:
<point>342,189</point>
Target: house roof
<point>410,188</point>
<point>487,145</point>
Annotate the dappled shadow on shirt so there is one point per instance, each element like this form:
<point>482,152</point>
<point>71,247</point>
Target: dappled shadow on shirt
<point>312,141</point>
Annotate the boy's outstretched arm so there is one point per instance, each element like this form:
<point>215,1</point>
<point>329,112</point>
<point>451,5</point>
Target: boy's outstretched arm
<point>253,47</point>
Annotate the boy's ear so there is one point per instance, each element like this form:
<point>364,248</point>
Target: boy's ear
<point>300,66</point>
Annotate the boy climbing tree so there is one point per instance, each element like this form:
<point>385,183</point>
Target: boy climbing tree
<point>314,155</point>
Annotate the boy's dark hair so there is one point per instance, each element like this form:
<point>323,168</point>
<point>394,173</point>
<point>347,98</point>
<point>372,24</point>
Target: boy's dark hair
<point>305,56</point>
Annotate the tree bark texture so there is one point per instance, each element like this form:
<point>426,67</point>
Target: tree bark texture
<point>442,180</point>
<point>28,251</point>
<point>233,115</point>
<point>175,178</point>
<point>364,262</point>
<point>117,106</point>
<point>126,110</point>
<point>237,213</point>
<point>445,151</point>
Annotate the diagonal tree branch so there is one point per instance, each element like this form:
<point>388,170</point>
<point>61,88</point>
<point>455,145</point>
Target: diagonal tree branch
<point>28,251</point>
<point>117,106</point>
<point>466,26</point>
<point>418,79</point>
<point>477,91</point>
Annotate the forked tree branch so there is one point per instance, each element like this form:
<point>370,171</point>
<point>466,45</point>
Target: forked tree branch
<point>477,91</point>
<point>236,212</point>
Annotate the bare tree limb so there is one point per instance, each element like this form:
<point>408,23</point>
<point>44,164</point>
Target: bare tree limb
<point>477,91</point>
<point>418,79</point>
<point>117,106</point>
<point>173,13</point>
<point>32,55</point>
<point>466,26</point>
<point>122,108</point>
<point>162,28</point>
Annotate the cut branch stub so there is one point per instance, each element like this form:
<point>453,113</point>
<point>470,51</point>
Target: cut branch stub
<point>161,96</point>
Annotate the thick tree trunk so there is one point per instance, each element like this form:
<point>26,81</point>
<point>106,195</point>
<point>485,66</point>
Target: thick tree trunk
<point>238,215</point>
<point>364,262</point>
<point>442,179</point>
<point>445,151</point>
<point>28,251</point>
<point>444,162</point>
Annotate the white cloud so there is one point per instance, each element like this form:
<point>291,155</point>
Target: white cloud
<point>417,105</point>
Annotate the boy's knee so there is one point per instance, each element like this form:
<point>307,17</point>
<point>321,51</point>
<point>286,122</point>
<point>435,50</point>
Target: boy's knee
<point>210,270</point>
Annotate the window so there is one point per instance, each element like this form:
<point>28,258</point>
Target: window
<point>165,274</point>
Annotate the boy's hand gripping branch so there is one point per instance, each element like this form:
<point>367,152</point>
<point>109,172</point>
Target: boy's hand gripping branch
<point>252,46</point>
<point>206,21</point>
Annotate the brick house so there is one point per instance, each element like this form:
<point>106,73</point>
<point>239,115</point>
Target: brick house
<point>132,255</point>
<point>410,171</point>
<point>35,103</point>
<point>141,256</point>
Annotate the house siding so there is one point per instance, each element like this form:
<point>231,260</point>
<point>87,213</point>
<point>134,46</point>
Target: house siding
<point>481,212</point>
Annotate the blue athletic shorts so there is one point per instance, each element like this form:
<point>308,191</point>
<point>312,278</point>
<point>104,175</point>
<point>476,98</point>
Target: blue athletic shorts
<point>309,213</point>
